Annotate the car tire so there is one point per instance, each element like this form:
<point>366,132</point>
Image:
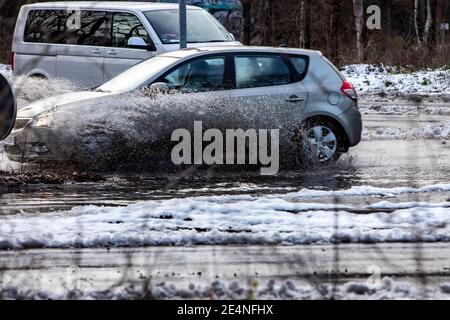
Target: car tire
<point>321,141</point>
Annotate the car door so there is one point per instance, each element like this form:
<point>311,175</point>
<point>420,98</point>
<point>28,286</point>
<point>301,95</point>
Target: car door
<point>199,94</point>
<point>81,54</point>
<point>267,91</point>
<point>119,57</point>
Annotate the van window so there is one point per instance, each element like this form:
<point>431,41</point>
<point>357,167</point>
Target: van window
<point>91,28</point>
<point>201,26</point>
<point>125,26</point>
<point>261,71</point>
<point>46,26</point>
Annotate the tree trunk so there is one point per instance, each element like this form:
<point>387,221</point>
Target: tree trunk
<point>335,31</point>
<point>247,15</point>
<point>416,22</point>
<point>300,23</point>
<point>307,35</point>
<point>358,8</point>
<point>268,36</point>
<point>428,24</point>
<point>422,11</point>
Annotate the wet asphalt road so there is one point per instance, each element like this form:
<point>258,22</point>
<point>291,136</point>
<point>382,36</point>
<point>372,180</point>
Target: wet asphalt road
<point>383,159</point>
<point>373,163</point>
<point>88,270</point>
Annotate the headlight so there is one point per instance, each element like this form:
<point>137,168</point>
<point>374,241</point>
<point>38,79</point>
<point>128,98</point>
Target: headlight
<point>37,148</point>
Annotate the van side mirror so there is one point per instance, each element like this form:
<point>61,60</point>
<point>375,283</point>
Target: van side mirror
<point>139,43</point>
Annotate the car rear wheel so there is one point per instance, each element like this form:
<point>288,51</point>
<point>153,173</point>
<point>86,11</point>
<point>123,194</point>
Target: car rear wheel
<point>322,141</point>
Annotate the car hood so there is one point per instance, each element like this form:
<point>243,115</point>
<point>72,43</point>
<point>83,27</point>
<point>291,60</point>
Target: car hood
<point>37,108</point>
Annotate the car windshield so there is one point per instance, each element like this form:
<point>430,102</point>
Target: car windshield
<point>201,26</point>
<point>137,75</point>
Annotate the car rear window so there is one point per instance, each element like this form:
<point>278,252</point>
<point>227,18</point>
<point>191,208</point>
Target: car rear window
<point>300,64</point>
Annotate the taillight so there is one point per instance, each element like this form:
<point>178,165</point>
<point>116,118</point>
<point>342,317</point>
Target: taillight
<point>349,90</point>
<point>11,60</point>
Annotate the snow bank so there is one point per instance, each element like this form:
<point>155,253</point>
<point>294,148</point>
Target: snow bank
<point>219,290</point>
<point>376,79</point>
<point>235,219</point>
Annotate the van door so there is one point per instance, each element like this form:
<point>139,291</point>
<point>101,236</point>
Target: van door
<point>119,57</point>
<point>81,57</point>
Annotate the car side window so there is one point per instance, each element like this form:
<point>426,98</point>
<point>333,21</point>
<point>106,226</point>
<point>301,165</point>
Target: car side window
<point>90,28</point>
<point>205,74</point>
<point>125,26</point>
<point>261,71</point>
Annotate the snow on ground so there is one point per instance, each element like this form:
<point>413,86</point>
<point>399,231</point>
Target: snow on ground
<point>410,109</point>
<point>292,218</point>
<point>218,290</point>
<point>376,79</point>
<point>439,131</point>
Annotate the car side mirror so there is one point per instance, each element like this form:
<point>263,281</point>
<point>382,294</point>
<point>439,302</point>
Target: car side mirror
<point>139,43</point>
<point>159,87</point>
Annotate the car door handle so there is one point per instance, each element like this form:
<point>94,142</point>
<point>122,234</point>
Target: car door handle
<point>112,52</point>
<point>96,51</point>
<point>295,99</point>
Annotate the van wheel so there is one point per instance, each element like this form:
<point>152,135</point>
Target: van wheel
<point>321,141</point>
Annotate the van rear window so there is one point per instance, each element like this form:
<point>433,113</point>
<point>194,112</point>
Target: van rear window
<point>91,28</point>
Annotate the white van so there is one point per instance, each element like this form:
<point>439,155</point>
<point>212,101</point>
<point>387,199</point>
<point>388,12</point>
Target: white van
<point>90,42</point>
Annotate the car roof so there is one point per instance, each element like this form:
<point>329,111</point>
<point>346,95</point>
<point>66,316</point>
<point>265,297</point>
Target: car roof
<point>115,5</point>
<point>193,52</point>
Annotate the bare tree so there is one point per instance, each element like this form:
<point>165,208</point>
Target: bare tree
<point>307,35</point>
<point>423,21</point>
<point>335,28</point>
<point>358,9</point>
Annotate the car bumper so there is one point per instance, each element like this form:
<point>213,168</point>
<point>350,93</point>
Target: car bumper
<point>351,121</point>
<point>25,146</point>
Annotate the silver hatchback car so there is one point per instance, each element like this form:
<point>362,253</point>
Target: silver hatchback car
<point>296,90</point>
